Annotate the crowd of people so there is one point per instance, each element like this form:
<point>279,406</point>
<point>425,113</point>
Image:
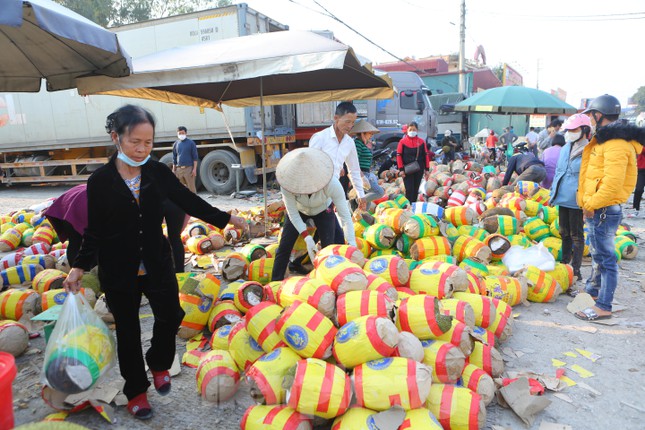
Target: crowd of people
<point>591,163</point>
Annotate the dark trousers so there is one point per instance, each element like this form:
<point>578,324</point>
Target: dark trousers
<point>175,218</point>
<point>73,244</point>
<point>325,223</point>
<point>573,237</point>
<point>167,313</point>
<point>412,183</point>
<point>640,186</point>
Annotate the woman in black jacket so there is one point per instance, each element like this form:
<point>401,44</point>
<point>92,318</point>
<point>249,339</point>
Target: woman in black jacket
<point>125,213</point>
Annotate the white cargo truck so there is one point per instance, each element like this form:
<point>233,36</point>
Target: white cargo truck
<point>60,136</point>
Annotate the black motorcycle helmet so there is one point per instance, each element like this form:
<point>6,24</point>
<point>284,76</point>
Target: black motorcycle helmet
<point>607,106</point>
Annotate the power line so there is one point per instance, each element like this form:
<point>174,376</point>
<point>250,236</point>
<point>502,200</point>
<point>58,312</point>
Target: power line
<point>603,17</point>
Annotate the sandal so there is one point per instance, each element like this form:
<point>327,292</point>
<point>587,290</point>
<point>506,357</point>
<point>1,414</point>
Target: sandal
<point>139,407</point>
<point>590,314</point>
<point>572,292</point>
<point>161,381</point>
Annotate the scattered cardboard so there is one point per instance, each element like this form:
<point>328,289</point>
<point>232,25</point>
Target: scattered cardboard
<point>580,302</point>
<point>517,395</point>
<point>175,369</point>
<point>589,388</point>
<point>570,354</point>
<point>564,397</point>
<point>611,321</point>
<point>494,427</point>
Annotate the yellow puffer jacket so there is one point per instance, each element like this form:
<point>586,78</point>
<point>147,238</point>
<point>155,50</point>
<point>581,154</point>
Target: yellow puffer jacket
<point>608,168</point>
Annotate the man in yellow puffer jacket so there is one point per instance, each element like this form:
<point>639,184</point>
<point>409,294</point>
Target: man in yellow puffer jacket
<point>607,177</point>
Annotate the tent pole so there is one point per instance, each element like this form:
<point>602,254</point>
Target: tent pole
<point>264,169</point>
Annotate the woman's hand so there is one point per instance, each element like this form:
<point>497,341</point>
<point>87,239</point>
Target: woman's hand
<point>73,281</point>
<point>239,222</point>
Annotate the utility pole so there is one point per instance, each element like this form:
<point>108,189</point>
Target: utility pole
<point>537,78</point>
<point>462,47</point>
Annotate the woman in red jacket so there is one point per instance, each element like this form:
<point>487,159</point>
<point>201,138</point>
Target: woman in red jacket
<point>412,148</point>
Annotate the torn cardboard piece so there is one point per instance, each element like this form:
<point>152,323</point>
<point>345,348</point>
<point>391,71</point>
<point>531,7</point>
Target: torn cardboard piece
<point>390,419</point>
<point>518,397</point>
<point>580,302</point>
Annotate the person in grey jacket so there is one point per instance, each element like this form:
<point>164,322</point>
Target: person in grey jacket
<point>564,189</point>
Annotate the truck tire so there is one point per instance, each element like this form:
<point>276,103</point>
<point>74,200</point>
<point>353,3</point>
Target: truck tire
<point>216,172</point>
<point>167,160</point>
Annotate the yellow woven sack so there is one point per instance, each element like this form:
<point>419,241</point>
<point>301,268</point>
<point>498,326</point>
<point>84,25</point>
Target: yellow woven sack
<point>364,339</point>
<point>266,375</point>
<point>341,274</point>
<point>421,315</point>
<point>48,279</point>
<point>532,208</point>
<point>363,245</point>
<point>536,229</point>
<point>379,236</point>
<point>482,306</point>
<point>554,246</point>
<point>306,331</point>
<point>476,284</point>
<point>420,418</point>
<point>487,358</point>
<point>445,359</point>
<point>456,408</point>
<point>276,417</point>
<point>223,313</point>
<point>563,274</point>
<point>355,419</point>
<point>260,270</point>
<point>385,252</point>
<point>548,214</point>
<point>235,266</point>
<point>376,283</point>
<point>253,251</point>
<point>626,247</point>
<point>320,389</point>
<point>459,334</point>
<point>242,347</point>
<point>217,376</point>
<point>22,274</point>
<point>460,215</point>
<point>393,381</point>
<point>261,325</point>
<point>466,246</point>
<point>428,247</point>
<point>249,294</point>
<point>219,338</point>
<point>427,280</point>
<point>350,252</point>
<point>391,268</point>
<point>197,310</point>
<point>421,225</point>
<point>474,265</point>
<point>542,287</point>
<point>460,310</point>
<point>17,303</point>
<point>199,244</point>
<point>44,234</point>
<point>478,381</point>
<point>472,231</point>
<point>310,290</point>
<point>395,218</point>
<point>356,304</point>
<point>508,289</point>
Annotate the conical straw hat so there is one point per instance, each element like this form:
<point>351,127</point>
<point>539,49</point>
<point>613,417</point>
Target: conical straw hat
<point>304,171</point>
<point>363,127</point>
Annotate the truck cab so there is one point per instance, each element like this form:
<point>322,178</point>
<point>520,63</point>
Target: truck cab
<point>410,103</point>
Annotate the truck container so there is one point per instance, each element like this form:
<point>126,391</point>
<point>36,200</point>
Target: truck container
<point>61,137</point>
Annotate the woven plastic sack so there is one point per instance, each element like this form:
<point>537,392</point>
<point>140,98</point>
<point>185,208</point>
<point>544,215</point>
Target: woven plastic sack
<point>319,388</point>
<point>421,315</point>
<point>428,280</point>
<point>460,310</point>
<point>456,408</point>
<point>22,274</point>
<point>310,290</point>
<point>355,419</point>
<point>217,376</point>
<point>265,376</point>
<point>356,304</point>
<point>542,287</point>
<point>80,350</point>
<point>341,274</point>
<point>365,339</point>
<point>276,417</point>
<point>306,331</point>
<point>14,337</point>
<point>420,418</point>
<point>479,381</point>
<point>381,384</point>
<point>487,358</point>
<point>391,268</point>
<point>445,359</point>
<point>16,304</point>
<point>350,252</point>
<point>428,247</point>
<point>508,289</point>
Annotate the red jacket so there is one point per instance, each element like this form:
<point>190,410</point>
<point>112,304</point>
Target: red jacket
<point>407,149</point>
<point>640,160</point>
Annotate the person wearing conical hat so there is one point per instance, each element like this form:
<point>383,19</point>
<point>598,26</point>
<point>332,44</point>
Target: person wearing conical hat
<point>310,190</point>
<point>364,131</point>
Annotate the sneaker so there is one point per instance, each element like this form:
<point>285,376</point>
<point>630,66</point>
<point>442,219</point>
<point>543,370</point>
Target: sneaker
<point>633,214</point>
<point>140,408</point>
<point>161,381</point>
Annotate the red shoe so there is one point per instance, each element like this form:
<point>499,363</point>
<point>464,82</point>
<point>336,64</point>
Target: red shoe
<point>139,407</point>
<point>162,381</point>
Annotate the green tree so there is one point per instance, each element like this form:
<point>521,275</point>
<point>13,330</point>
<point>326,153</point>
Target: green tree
<point>639,99</point>
<point>99,11</point>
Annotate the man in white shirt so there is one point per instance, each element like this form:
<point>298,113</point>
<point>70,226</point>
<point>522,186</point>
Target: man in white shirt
<point>309,188</point>
<point>336,142</point>
<point>532,140</point>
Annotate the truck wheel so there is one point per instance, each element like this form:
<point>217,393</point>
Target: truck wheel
<point>167,160</point>
<point>216,172</point>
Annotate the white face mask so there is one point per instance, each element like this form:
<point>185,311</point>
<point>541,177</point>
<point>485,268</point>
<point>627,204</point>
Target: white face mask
<point>181,136</point>
<point>412,134</point>
<point>570,136</point>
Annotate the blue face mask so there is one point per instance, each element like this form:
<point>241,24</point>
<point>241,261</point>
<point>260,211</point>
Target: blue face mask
<point>129,161</point>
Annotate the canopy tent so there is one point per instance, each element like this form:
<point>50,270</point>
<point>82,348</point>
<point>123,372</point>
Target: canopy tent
<point>514,100</point>
<point>268,68</point>
<point>40,39</point>
<point>263,69</point>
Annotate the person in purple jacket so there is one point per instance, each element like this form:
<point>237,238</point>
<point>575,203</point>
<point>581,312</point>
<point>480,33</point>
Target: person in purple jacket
<point>550,157</point>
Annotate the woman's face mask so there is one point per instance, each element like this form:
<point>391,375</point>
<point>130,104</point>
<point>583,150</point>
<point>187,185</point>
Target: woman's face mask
<point>571,136</point>
<point>412,134</point>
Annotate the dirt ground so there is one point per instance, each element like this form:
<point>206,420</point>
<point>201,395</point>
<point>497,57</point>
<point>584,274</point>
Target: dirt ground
<point>612,397</point>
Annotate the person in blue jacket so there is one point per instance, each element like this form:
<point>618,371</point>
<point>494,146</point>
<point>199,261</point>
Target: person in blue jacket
<point>564,189</point>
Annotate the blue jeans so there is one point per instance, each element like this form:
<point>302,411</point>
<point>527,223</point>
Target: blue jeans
<point>376,191</point>
<point>604,269</point>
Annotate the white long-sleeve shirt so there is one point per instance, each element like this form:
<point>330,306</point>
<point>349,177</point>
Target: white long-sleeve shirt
<point>340,152</point>
<point>313,204</point>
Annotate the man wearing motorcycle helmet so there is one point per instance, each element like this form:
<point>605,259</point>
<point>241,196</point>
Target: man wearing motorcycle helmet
<point>607,178</point>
